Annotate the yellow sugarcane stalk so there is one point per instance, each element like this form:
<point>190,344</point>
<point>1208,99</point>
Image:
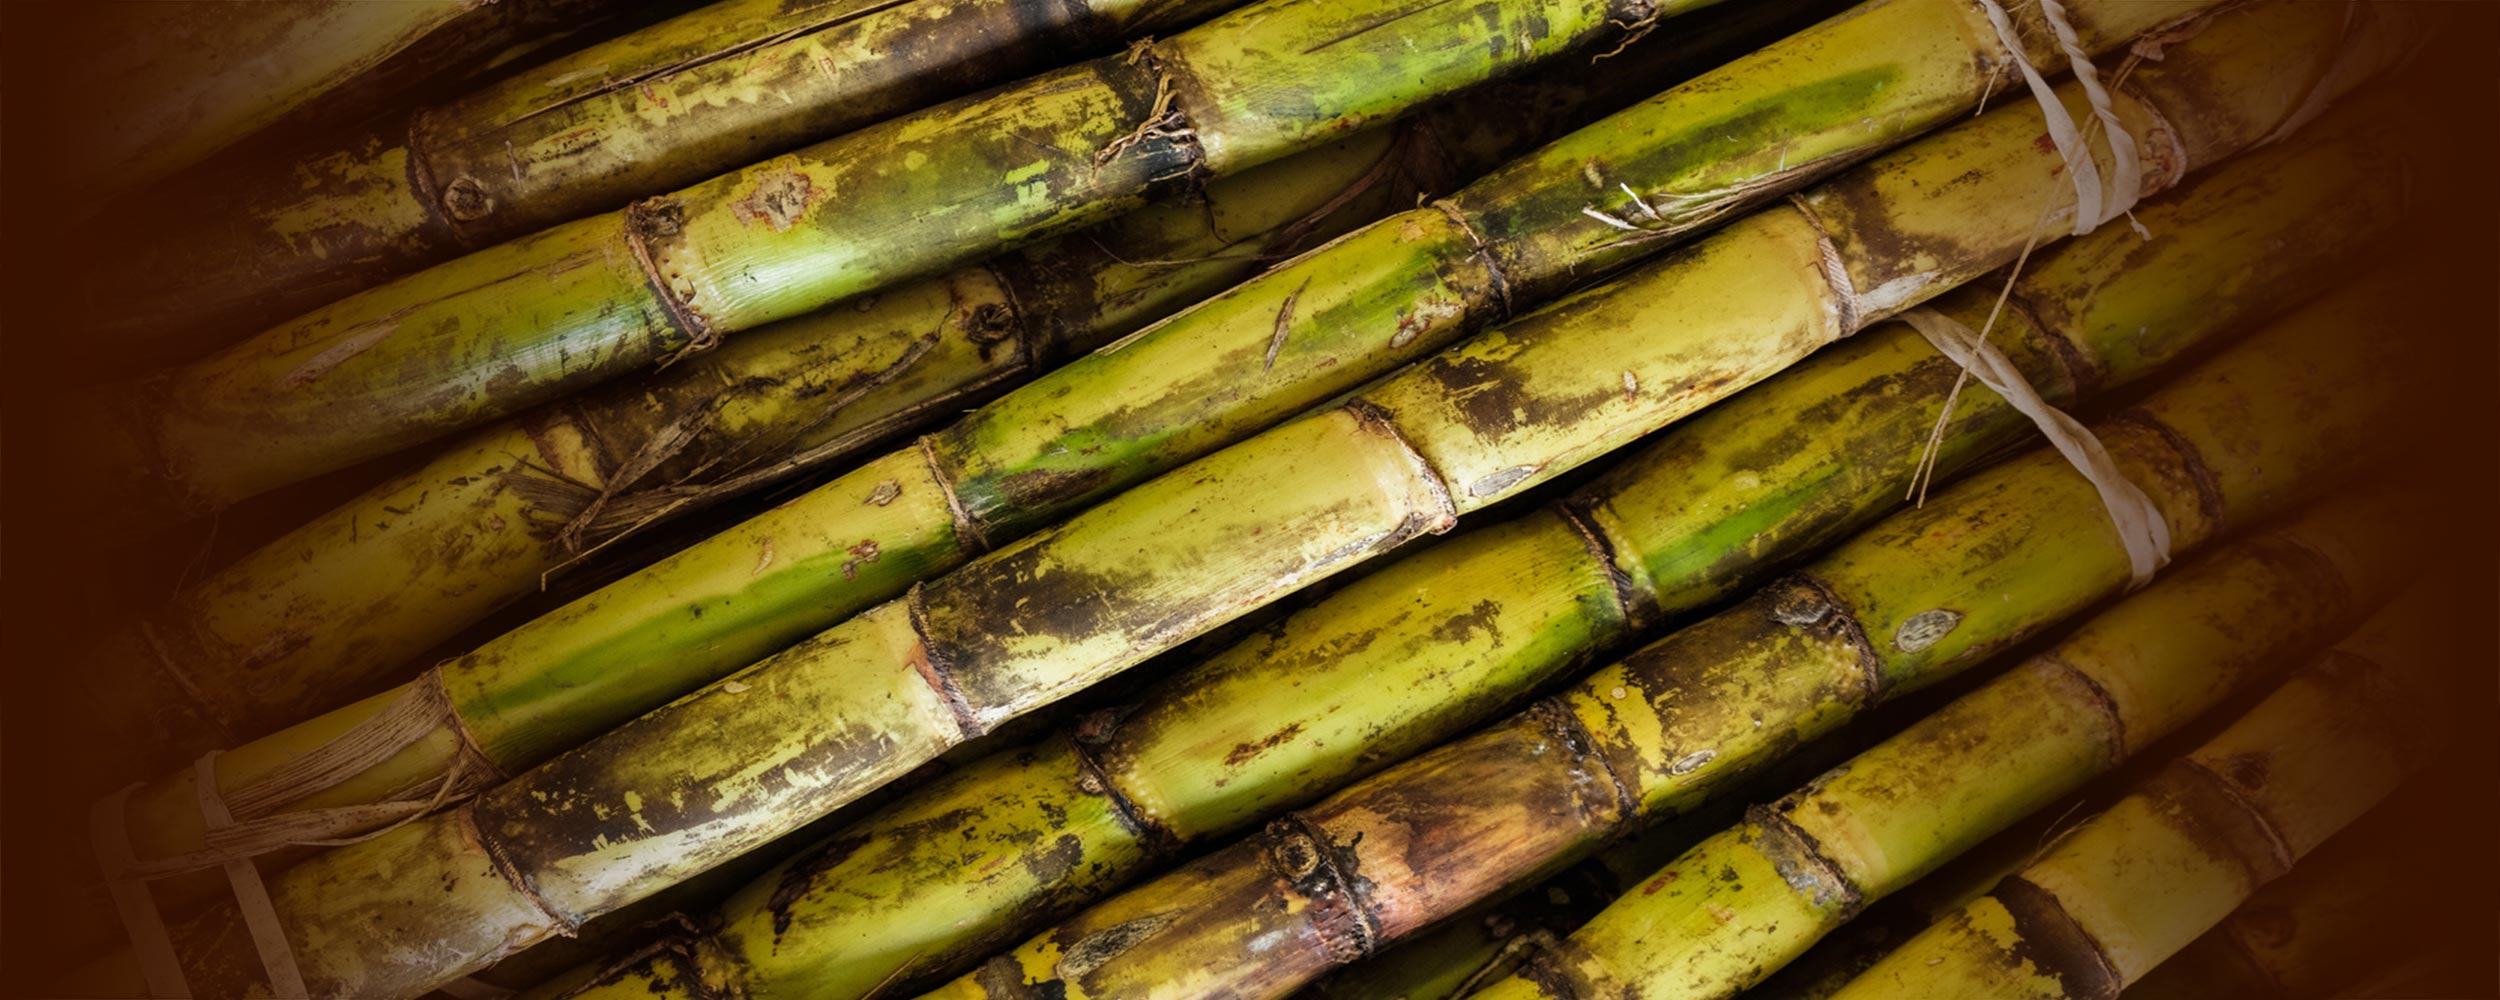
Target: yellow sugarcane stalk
<point>2140,881</point>
<point>1813,860</point>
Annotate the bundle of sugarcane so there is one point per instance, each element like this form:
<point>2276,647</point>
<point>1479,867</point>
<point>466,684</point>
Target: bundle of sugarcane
<point>336,605</point>
<point>162,87</point>
<point>1311,329</point>
<point>772,747</point>
<point>524,321</point>
<point>1918,597</point>
<point>659,108</point>
<point>2140,881</point>
<point>1417,652</point>
<point>2132,675</point>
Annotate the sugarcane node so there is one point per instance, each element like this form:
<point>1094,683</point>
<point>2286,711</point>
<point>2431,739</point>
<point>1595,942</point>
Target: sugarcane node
<point>1483,252</point>
<point>2047,939</point>
<point>1797,590</point>
<point>1563,726</point>
<point>1152,833</point>
<point>1801,862</point>
<point>1377,419</point>
<point>2103,703</point>
<point>2191,461</point>
<point>968,529</point>
<point>1300,853</point>
<point>646,223</point>
<point>935,667</point>
<point>1638,606</point>
<point>464,822</point>
<point>465,200</point>
<point>2204,806</point>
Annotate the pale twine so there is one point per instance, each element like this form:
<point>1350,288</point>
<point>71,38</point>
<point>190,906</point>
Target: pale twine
<point>2141,527</point>
<point>247,824</point>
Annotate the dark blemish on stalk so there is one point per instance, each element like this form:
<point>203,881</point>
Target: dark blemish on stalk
<point>781,197</point>
<point>1925,629</point>
<point>884,493</point>
<point>2047,939</point>
<point>861,554</point>
<point>1099,948</point>
<point>1284,325</point>
<point>800,878</point>
<point>1244,752</point>
<point>1483,617</point>
<point>1051,865</point>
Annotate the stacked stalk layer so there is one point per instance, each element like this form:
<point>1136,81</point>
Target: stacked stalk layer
<point>1917,598</point>
<point>1417,652</point>
<point>1317,327</point>
<point>522,322</point>
<point>1744,903</point>
<point>772,747</point>
<point>660,108</point>
<point>327,610</point>
<point>2140,881</point>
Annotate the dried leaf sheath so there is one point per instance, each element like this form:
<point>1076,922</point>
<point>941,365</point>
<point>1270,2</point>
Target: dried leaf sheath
<point>521,322</point>
<point>1387,294</point>
<point>2000,556</point>
<point>719,771</point>
<point>2142,879</point>
<point>2216,630</point>
<point>657,109</point>
<point>1417,652</point>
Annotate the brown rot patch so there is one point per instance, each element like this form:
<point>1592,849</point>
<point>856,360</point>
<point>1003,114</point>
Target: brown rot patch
<point>1244,752</point>
<point>1099,948</point>
<point>780,199</point>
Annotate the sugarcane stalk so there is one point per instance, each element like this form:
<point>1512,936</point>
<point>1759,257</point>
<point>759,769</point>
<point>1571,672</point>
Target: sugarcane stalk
<point>1468,626</point>
<point>1813,860</point>
<point>163,87</point>
<point>2144,878</point>
<point>2316,930</point>
<point>657,109</point>
<point>613,821</point>
<point>279,635</point>
<point>1641,738</point>
<point>1659,732</point>
<point>521,322</point>
<point>1113,418</point>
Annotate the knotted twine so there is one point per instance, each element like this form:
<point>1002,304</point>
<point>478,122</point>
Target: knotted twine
<point>229,842</point>
<point>2141,528</point>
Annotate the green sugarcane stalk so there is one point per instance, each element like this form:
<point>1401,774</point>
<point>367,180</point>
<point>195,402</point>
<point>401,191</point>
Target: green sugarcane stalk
<point>161,88</point>
<point>1455,633</point>
<point>336,605</point>
<point>717,772</point>
<point>2141,880</point>
<point>1813,860</point>
<point>1109,420</point>
<point>654,110</point>
<point>522,322</point>
<point>1918,597</point>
